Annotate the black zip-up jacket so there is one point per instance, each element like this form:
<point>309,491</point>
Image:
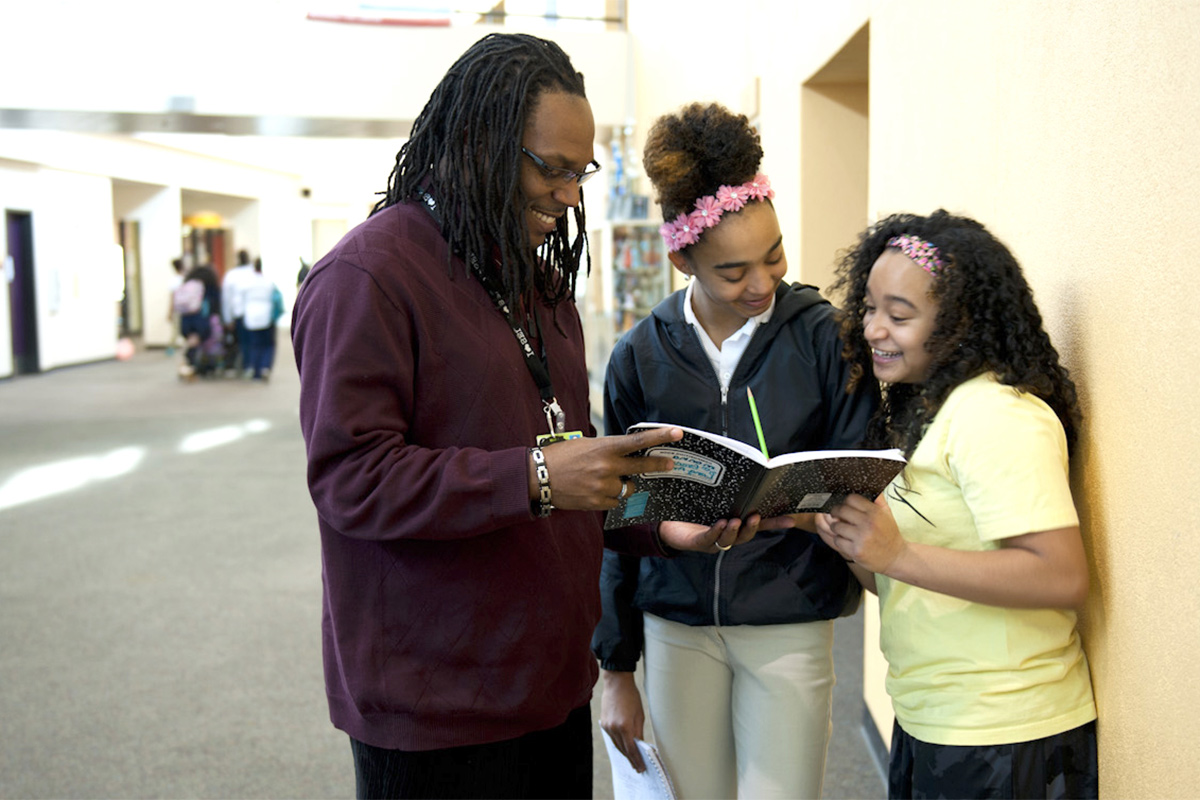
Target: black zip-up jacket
<point>659,372</point>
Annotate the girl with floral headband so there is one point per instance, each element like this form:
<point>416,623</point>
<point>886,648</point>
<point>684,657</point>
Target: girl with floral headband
<point>975,549</point>
<point>738,643</point>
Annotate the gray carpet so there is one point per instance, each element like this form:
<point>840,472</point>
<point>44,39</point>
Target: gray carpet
<point>160,591</point>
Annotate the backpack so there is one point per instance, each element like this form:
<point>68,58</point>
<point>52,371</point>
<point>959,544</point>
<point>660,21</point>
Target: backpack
<point>276,304</point>
<point>189,297</point>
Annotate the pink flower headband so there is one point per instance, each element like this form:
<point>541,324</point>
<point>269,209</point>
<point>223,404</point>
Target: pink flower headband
<point>924,254</point>
<point>686,228</point>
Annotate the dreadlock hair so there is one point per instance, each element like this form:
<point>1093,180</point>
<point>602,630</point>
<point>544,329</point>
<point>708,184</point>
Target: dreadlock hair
<point>465,151</point>
<point>987,321</point>
<point>697,150</point>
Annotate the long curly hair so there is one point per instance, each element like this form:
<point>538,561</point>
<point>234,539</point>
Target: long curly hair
<point>987,321</point>
<point>465,150</point>
<point>695,151</point>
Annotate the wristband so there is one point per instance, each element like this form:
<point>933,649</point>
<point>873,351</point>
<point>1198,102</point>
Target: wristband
<point>541,507</point>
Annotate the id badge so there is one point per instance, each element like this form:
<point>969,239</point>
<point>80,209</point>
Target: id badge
<point>551,438</point>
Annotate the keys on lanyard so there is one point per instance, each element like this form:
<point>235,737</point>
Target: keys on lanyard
<point>556,419</point>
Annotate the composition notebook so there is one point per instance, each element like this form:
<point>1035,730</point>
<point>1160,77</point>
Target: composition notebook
<point>716,477</point>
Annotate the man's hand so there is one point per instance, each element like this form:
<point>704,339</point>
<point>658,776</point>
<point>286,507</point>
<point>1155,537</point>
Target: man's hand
<point>588,474</point>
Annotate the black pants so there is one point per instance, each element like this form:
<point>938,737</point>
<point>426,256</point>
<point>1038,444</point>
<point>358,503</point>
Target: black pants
<point>556,763</point>
<point>1059,766</point>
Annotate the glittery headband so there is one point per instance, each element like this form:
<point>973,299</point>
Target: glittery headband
<point>922,253</point>
<point>686,228</point>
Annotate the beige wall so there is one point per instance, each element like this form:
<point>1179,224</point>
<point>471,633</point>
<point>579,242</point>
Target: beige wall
<point>1070,129</point>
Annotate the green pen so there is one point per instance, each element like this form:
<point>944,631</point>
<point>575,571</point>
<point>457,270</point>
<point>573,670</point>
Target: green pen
<point>762,441</point>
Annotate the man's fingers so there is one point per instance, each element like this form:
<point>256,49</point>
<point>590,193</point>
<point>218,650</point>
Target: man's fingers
<point>621,446</point>
<point>647,437</point>
<point>643,464</point>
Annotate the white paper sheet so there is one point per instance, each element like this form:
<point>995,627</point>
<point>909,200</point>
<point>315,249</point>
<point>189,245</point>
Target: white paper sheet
<point>629,784</point>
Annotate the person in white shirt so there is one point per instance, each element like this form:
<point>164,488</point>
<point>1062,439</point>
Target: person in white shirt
<point>233,308</point>
<point>261,309</point>
<point>175,281</point>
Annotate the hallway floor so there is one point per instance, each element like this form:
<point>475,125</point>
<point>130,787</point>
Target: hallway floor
<point>160,595</point>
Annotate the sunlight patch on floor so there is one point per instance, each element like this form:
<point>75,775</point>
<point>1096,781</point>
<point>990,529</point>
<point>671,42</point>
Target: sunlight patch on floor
<point>59,477</point>
<point>226,434</point>
<point>47,480</point>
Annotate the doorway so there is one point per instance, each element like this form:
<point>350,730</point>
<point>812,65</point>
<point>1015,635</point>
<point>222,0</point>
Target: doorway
<point>21,297</point>
<point>834,155</point>
<point>131,300</point>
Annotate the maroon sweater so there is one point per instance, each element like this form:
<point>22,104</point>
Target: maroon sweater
<point>452,616</point>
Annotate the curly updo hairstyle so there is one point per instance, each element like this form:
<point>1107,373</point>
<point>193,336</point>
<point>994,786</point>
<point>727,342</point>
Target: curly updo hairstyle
<point>987,321</point>
<point>697,150</point>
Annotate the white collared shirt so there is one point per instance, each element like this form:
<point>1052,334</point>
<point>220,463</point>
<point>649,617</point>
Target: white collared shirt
<point>725,358</point>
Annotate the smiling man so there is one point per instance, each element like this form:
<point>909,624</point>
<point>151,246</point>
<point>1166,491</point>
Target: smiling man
<point>456,475</point>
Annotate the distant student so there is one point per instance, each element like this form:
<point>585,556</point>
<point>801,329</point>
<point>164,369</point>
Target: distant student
<point>305,268</point>
<point>173,283</point>
<point>197,301</point>
<point>738,645</point>
<point>261,309</point>
<point>233,305</point>
<point>974,549</point>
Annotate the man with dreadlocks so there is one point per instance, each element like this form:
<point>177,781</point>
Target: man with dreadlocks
<point>442,387</point>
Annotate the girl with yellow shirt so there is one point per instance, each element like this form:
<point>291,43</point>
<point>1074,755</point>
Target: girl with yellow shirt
<point>975,549</point>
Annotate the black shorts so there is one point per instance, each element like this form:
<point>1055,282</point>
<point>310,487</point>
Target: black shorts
<point>1059,766</point>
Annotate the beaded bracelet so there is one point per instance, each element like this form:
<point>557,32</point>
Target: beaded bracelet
<point>541,506</point>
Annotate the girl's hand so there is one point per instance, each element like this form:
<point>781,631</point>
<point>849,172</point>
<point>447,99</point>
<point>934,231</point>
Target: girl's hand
<point>622,715</point>
<point>1040,569</point>
<point>721,535</point>
<point>863,532</point>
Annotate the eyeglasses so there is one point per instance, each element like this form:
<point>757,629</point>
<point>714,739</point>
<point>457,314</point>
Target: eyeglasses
<point>561,174</point>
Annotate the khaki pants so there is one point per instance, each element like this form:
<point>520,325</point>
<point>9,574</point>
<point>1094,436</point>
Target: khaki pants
<point>741,711</point>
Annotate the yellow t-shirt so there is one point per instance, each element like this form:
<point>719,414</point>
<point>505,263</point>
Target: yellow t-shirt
<point>992,465</point>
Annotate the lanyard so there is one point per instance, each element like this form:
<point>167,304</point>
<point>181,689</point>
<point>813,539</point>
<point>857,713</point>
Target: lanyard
<point>556,418</point>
